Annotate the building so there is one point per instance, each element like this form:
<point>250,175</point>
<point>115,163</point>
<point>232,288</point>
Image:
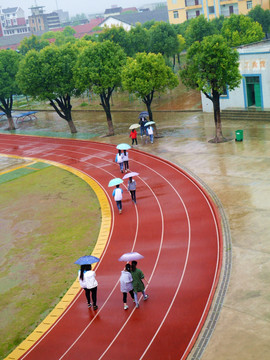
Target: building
<point>254,90</point>
<point>182,10</point>
<point>13,22</point>
<point>63,15</point>
<point>113,11</point>
<point>127,21</point>
<point>39,21</point>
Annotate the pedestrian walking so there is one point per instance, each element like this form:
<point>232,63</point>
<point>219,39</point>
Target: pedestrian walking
<point>150,133</point>
<point>125,160</point>
<point>118,195</point>
<point>138,285</point>
<point>126,285</point>
<point>87,279</point>
<point>142,127</point>
<point>132,189</point>
<point>119,159</point>
<point>133,136</point>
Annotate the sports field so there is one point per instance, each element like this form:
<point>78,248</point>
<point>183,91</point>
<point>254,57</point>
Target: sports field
<point>48,218</point>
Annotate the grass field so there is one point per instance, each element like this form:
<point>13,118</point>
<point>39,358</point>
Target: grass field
<point>48,219</point>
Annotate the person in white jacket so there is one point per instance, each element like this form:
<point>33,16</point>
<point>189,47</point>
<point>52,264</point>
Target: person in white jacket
<point>117,195</point>
<point>87,279</point>
<point>150,133</point>
<point>126,285</point>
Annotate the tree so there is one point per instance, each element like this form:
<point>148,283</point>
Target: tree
<point>48,75</point>
<point>197,29</point>
<point>240,30</point>
<point>61,37</point>
<point>145,75</point>
<point>118,35</point>
<point>262,17</point>
<point>9,64</point>
<point>217,23</point>
<point>33,42</point>
<point>163,39</point>
<point>181,47</point>
<point>99,69</point>
<point>138,40</point>
<point>211,66</point>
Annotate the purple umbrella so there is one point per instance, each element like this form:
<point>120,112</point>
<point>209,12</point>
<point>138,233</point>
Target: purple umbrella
<point>131,174</point>
<point>131,256</point>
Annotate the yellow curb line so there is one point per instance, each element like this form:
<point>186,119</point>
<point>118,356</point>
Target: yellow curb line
<point>75,287</point>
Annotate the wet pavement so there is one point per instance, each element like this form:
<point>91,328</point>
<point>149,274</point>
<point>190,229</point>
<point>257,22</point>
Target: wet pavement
<point>238,173</point>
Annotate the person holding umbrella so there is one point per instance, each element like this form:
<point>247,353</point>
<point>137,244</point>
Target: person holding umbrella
<point>125,159</point>
<point>126,285</point>
<point>119,160</point>
<point>138,285</point>
<point>132,189</point>
<point>87,279</point>
<point>131,184</point>
<point>118,195</point>
<point>150,133</point>
<point>133,136</point>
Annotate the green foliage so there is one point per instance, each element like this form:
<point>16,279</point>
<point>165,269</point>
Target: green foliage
<point>148,24</point>
<point>197,29</point>
<point>181,43</point>
<point>241,29</point>
<point>9,65</point>
<point>99,67</point>
<point>147,73</point>
<point>116,34</point>
<point>218,23</point>
<point>181,28</point>
<point>33,42</point>
<point>138,40</point>
<point>261,16</point>
<point>61,37</point>
<point>163,39</point>
<point>211,65</point>
<point>49,73</point>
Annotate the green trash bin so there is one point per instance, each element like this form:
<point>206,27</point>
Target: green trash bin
<point>239,135</point>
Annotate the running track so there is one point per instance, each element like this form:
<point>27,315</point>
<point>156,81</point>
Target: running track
<point>174,225</point>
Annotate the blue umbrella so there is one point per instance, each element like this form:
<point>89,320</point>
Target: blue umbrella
<point>114,182</point>
<point>123,147</point>
<point>86,260</point>
<point>143,114</point>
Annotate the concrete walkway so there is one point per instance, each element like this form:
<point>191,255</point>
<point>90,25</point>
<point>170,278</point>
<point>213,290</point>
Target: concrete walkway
<point>239,174</point>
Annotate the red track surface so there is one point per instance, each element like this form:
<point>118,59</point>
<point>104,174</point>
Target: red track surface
<point>174,225</point>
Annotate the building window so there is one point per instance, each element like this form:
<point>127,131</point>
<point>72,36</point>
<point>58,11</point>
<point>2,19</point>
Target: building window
<point>211,9</point>
<point>175,15</point>
<point>174,1</point>
<point>249,4</point>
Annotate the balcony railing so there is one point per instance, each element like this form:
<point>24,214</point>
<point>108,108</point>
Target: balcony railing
<point>193,2</point>
<point>228,12</point>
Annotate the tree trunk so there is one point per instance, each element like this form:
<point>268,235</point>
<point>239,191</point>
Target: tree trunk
<point>72,127</point>
<point>11,123</point>
<point>148,101</point>
<point>105,103</point>
<point>7,109</point>
<point>63,108</point>
<point>216,105</point>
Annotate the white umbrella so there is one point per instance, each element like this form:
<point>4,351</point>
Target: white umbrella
<point>149,123</point>
<point>131,256</point>
<point>134,126</point>
<point>131,174</point>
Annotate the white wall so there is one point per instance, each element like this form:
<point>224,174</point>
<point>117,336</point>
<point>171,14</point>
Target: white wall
<point>114,22</point>
<point>249,64</point>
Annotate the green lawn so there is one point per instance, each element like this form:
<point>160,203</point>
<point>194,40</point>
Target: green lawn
<point>48,219</point>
